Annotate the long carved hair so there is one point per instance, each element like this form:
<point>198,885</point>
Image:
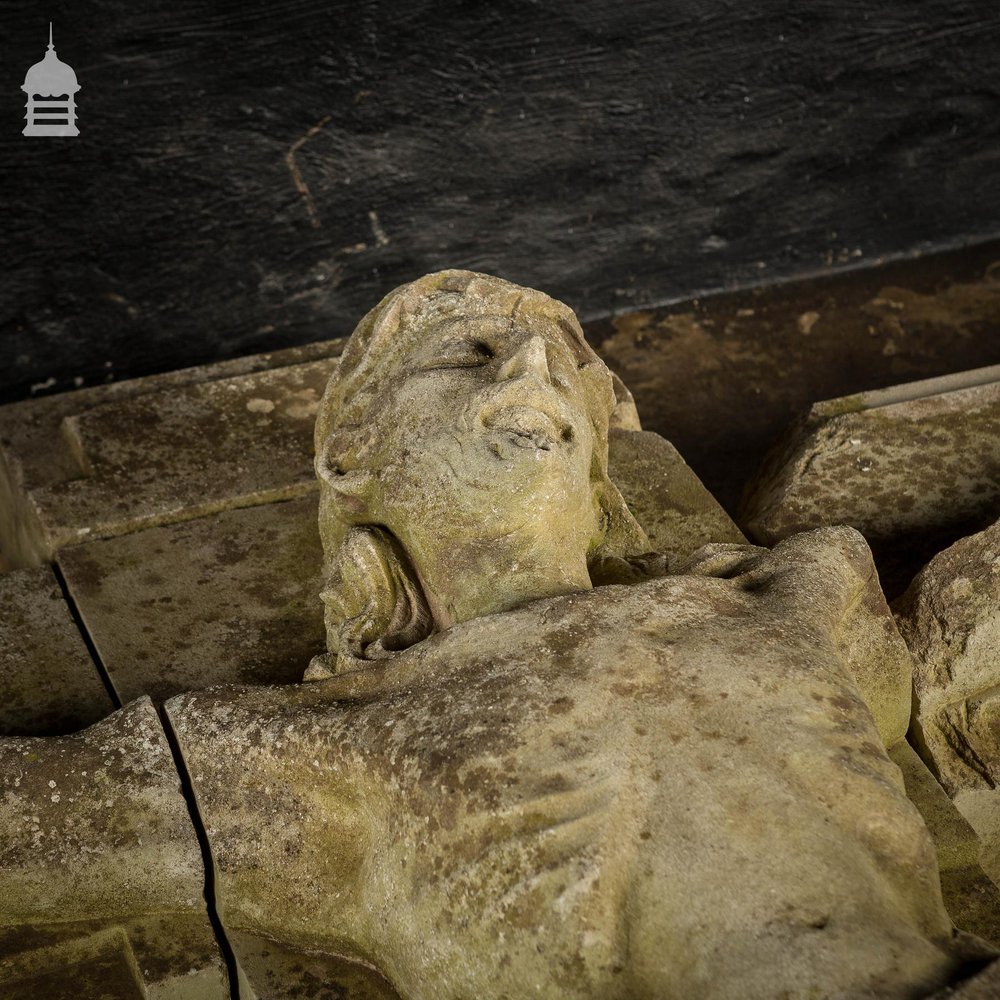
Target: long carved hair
<point>374,602</point>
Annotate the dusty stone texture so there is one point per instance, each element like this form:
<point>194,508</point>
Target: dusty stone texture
<point>230,598</point>
<point>912,468</point>
<point>36,451</point>
<point>675,510</point>
<point>225,443</point>
<point>98,966</point>
<point>30,430</point>
<point>514,806</point>
<point>94,836</point>
<point>971,897</point>
<point>104,461</point>
<point>50,684</point>
<point>950,617</point>
<point>624,416</point>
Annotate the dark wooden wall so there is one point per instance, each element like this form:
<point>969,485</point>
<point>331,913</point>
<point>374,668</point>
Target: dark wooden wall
<point>613,153</point>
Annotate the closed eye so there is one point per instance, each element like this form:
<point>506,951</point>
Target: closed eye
<point>460,354</point>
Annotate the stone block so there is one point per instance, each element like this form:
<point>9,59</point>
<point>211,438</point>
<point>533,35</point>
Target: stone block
<point>676,511</point>
<point>165,457</point>
<point>230,598</point>
<point>101,866</point>
<point>51,685</point>
<point>912,468</point>
<point>61,457</point>
<point>98,966</point>
<point>970,896</point>
<point>950,618</point>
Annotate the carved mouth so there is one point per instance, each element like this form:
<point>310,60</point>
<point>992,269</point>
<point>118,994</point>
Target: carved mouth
<point>525,426</point>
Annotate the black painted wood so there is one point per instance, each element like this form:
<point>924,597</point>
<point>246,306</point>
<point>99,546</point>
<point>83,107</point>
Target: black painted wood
<point>614,154</point>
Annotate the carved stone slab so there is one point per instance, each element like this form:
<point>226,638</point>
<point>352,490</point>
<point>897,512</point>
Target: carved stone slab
<point>972,898</point>
<point>675,510</point>
<point>42,448</point>
<point>226,443</point>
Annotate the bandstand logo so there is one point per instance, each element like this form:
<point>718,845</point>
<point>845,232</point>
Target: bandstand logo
<point>51,88</point>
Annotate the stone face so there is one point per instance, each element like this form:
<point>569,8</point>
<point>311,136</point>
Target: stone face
<point>462,448</point>
<point>511,807</point>
<point>230,598</point>
<point>675,510</point>
<point>100,865</point>
<point>912,468</point>
<point>92,462</point>
<point>50,683</point>
<point>950,618</point>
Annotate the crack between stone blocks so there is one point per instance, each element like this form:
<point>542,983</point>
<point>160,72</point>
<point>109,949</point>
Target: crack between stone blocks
<point>208,862</point>
<point>88,641</point>
<point>187,789</point>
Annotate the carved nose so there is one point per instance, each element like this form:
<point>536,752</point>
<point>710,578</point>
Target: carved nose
<point>529,358</point>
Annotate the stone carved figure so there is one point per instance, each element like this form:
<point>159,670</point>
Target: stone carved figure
<point>462,452</point>
<point>535,764</point>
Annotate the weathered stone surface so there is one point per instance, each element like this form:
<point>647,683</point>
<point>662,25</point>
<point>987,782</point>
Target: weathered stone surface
<point>985,985</point>
<point>950,618</point>
<point>531,744</point>
<point>508,807</point>
<point>624,416</point>
<point>94,836</point>
<point>30,430</point>
<point>98,966</point>
<point>971,897</point>
<point>675,510</point>
<point>912,468</point>
<point>65,461</point>
<point>226,443</point>
<point>50,684</point>
<point>230,598</point>
<point>272,971</point>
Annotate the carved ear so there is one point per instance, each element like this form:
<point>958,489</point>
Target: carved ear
<point>336,465</point>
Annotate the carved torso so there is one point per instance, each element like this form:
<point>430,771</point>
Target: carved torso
<point>668,790</point>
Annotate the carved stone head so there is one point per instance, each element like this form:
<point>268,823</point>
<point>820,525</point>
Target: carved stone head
<point>462,450</point>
